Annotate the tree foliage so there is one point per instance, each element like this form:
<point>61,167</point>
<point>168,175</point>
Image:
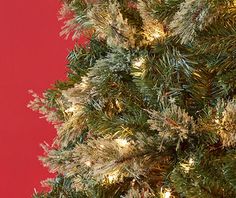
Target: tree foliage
<point>149,107</point>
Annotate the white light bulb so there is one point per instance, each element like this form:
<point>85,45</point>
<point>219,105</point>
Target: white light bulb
<point>88,163</point>
<point>217,121</point>
<point>122,142</point>
<point>112,177</point>
<point>71,109</point>
<point>167,194</point>
<point>139,62</point>
<point>156,35</point>
<point>191,161</point>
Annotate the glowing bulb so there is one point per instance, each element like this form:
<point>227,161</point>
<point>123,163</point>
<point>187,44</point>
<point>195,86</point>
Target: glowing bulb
<point>122,142</point>
<point>84,83</point>
<point>217,121</point>
<point>191,161</point>
<point>71,109</point>
<point>139,62</point>
<point>112,177</point>
<point>88,163</point>
<point>83,86</point>
<point>188,166</point>
<point>156,35</point>
<point>167,194</point>
<point>118,106</point>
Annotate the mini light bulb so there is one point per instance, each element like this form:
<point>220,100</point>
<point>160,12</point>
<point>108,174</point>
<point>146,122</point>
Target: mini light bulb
<point>139,62</point>
<point>191,161</point>
<point>156,35</point>
<point>167,194</point>
<point>112,177</point>
<point>217,121</point>
<point>122,142</point>
<point>84,83</point>
<point>71,109</point>
<point>88,163</point>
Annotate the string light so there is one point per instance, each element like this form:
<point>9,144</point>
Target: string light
<point>153,33</point>
<point>154,36</point>
<point>118,105</point>
<point>217,121</point>
<point>188,166</point>
<point>84,83</point>
<point>191,161</point>
<point>112,177</point>
<point>122,142</point>
<point>139,62</point>
<point>167,194</point>
<point>71,109</point>
<point>88,163</point>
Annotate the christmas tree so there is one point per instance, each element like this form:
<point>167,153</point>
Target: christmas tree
<point>148,108</point>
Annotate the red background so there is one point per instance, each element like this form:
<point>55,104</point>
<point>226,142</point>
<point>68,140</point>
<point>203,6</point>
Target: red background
<point>32,56</point>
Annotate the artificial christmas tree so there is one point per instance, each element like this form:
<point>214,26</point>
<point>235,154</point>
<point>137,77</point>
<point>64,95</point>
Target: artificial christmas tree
<point>149,106</point>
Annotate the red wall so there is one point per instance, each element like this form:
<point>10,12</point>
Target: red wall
<point>32,56</point>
